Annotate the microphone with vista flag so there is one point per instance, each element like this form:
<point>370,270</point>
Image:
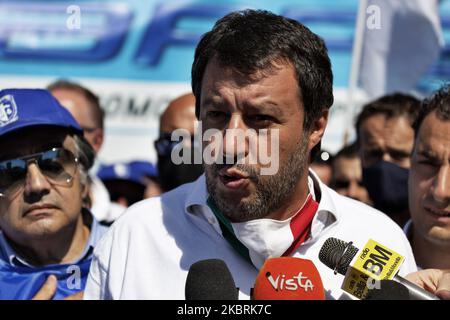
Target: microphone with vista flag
<point>288,278</point>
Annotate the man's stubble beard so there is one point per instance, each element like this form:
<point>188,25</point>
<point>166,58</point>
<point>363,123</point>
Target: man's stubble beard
<point>272,191</point>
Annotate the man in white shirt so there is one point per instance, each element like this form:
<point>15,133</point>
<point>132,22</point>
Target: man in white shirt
<point>254,71</point>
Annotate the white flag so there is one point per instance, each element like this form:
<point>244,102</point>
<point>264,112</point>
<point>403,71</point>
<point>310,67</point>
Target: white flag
<point>402,38</point>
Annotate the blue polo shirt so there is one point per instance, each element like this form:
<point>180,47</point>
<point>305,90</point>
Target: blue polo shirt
<point>21,280</point>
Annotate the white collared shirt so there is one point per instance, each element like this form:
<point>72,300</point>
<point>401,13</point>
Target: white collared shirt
<point>147,253</point>
<point>103,208</point>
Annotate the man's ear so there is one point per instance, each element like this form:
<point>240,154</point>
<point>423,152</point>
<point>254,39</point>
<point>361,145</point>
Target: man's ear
<point>98,139</point>
<point>318,129</point>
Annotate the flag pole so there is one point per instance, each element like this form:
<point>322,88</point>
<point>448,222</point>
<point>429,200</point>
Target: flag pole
<point>355,66</point>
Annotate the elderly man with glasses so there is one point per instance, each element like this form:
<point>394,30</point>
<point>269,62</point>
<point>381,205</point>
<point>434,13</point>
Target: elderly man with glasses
<point>47,236</point>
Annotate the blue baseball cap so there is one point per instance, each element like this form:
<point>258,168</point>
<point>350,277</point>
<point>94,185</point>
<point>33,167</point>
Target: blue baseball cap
<point>134,171</point>
<point>23,108</point>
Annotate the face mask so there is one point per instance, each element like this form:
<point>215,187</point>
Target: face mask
<point>172,175</point>
<point>387,184</point>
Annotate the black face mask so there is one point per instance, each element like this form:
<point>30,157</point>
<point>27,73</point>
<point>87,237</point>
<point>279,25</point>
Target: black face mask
<point>387,184</point>
<point>173,175</point>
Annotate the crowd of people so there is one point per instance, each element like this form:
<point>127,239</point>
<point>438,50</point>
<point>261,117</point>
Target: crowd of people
<point>132,230</point>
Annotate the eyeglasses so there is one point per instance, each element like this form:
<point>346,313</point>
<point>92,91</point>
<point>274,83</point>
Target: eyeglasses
<point>164,144</point>
<point>58,165</point>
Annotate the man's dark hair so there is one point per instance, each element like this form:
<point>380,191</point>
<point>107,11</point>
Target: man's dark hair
<point>349,151</point>
<point>253,40</point>
<point>391,106</point>
<point>94,102</point>
<point>439,102</point>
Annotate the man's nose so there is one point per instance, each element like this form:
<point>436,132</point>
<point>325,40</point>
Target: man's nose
<point>441,186</point>
<point>352,189</point>
<point>235,140</point>
<point>386,157</point>
<point>36,183</point>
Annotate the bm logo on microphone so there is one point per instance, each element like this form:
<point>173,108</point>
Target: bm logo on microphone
<point>373,263</point>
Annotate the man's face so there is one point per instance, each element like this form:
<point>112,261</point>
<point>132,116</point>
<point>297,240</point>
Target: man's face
<point>80,109</point>
<point>271,101</point>
<point>347,178</point>
<point>429,181</point>
<point>39,208</point>
<point>388,139</point>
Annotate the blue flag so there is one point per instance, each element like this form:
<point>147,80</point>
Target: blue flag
<point>22,283</point>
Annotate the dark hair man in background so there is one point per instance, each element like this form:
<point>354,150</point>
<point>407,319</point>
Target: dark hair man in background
<point>347,174</point>
<point>85,107</point>
<point>47,236</point>
<point>385,140</point>
<point>429,183</point>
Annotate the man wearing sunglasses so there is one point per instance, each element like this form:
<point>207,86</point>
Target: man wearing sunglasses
<point>180,114</point>
<point>46,237</point>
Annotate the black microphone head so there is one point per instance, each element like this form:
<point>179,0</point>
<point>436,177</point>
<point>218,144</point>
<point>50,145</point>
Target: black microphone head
<point>337,254</point>
<point>388,290</point>
<point>210,280</point>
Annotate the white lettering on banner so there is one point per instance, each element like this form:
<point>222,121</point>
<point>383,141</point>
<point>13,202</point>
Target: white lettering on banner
<point>260,151</point>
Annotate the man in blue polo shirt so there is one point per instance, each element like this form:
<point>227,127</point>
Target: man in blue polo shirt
<point>46,237</point>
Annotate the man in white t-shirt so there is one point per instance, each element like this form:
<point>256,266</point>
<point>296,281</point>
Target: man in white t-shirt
<point>259,72</point>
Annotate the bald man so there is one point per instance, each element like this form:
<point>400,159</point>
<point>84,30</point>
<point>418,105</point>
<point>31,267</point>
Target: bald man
<point>84,106</point>
<point>180,114</point>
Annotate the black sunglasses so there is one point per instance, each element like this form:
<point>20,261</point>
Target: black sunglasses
<point>344,184</point>
<point>164,144</point>
<point>58,165</point>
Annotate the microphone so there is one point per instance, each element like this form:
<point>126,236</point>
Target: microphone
<point>288,278</point>
<point>337,255</point>
<point>388,290</point>
<point>210,280</point>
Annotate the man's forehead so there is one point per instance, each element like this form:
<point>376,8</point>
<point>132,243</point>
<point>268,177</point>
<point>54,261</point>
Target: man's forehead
<point>243,77</point>
<point>434,133</point>
<point>381,126</point>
